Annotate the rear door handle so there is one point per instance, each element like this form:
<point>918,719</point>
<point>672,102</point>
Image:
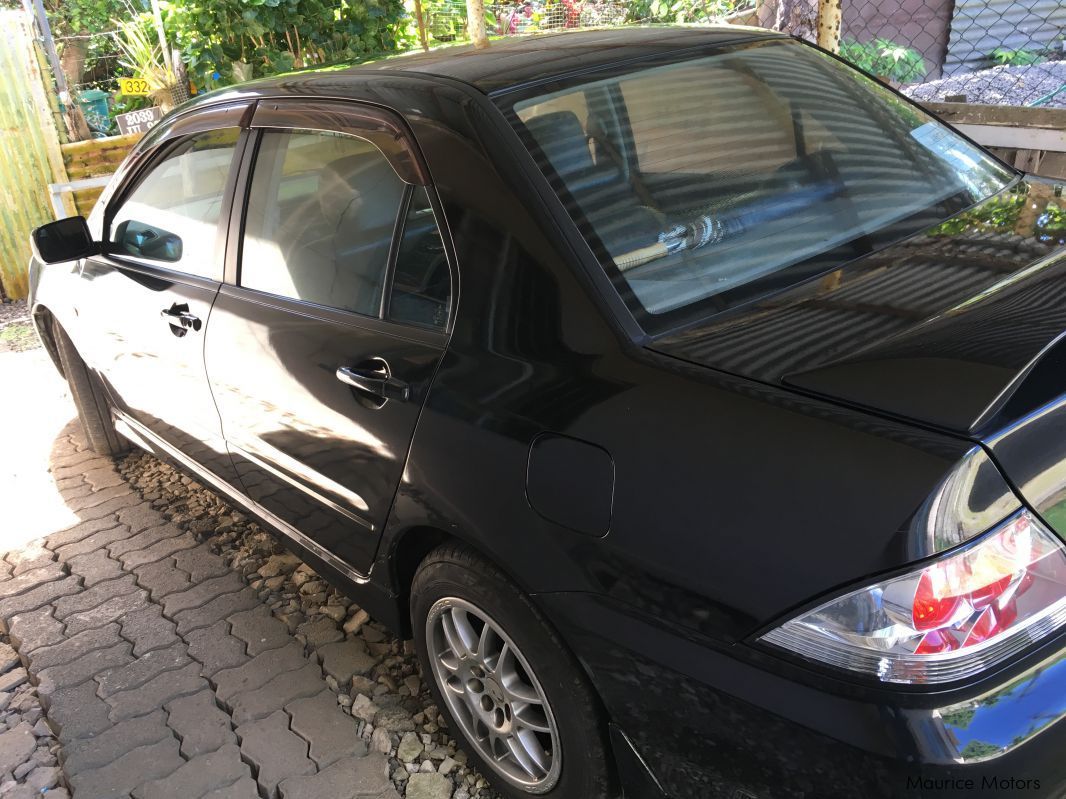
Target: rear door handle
<point>179,316</point>
<point>376,381</point>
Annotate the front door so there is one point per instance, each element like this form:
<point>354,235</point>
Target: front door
<point>321,353</point>
<point>148,298</point>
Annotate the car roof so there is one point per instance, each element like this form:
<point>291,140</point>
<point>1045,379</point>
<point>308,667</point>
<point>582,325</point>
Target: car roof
<point>517,61</point>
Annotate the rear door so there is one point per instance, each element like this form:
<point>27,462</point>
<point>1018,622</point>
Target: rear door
<point>145,302</point>
<point>325,338</point>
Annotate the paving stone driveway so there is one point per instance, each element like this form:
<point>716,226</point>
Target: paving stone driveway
<point>160,671</point>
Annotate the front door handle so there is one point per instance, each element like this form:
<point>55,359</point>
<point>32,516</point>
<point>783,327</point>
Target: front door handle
<point>375,378</point>
<point>180,319</point>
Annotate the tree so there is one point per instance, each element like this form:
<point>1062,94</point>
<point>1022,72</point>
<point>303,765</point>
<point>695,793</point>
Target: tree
<point>475,20</point>
<point>798,17</point>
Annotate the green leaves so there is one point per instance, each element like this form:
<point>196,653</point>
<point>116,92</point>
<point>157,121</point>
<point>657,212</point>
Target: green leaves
<point>885,59</point>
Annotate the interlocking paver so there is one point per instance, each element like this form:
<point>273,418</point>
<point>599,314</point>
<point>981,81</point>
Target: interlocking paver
<point>104,477</point>
<point>111,610</point>
<point>258,671</point>
<point>77,712</point>
<point>108,509</point>
<point>112,743</point>
<point>198,776</point>
<point>200,563</point>
<point>92,597</point>
<point>331,733</point>
<point>155,692</point>
<point>93,543</point>
<point>32,556</point>
<point>350,778</point>
<point>31,579</point>
<point>276,694</point>
<point>345,659</point>
<point>38,597</point>
<point>74,647</point>
<point>217,609</point>
<point>82,668</point>
<point>141,517</point>
<point>79,532</point>
<point>200,723</point>
<point>144,538</point>
<point>216,649</point>
<point>161,578</point>
<point>244,788</point>
<point>320,632</point>
<point>259,630</point>
<point>158,551</point>
<point>147,629</point>
<point>119,777</point>
<point>94,567</point>
<point>36,628</point>
<point>276,752</point>
<point>202,593</point>
<point>93,499</point>
<point>143,669</point>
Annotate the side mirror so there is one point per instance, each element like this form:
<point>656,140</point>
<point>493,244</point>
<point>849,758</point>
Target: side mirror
<point>66,240</point>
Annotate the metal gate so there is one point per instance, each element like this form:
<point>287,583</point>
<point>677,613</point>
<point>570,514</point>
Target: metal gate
<point>28,147</point>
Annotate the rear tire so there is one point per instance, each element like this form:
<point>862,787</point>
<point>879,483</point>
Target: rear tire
<point>94,411</point>
<point>516,696</point>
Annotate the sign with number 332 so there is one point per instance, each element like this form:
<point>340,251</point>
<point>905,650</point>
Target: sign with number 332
<point>133,86</point>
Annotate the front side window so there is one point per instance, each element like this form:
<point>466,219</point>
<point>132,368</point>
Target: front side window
<point>705,182</point>
<point>320,220</point>
<point>172,216</point>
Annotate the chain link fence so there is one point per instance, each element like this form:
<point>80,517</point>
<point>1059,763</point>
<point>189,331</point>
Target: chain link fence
<point>1008,52</point>
<point>1002,52</point>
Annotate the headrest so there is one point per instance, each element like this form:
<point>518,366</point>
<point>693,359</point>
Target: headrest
<point>344,186</point>
<point>560,135</point>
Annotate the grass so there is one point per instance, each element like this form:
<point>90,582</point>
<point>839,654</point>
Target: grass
<point>17,336</point>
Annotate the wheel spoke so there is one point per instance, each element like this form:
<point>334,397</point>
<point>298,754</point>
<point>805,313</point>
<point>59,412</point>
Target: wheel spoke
<point>532,746</point>
<point>483,642</point>
<point>522,757</point>
<point>531,717</point>
<point>453,636</point>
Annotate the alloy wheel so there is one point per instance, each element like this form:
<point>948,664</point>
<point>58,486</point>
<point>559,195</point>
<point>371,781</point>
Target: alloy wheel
<point>494,695</point>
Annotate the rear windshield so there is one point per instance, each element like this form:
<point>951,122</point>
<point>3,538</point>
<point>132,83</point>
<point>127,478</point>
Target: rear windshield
<point>704,182</point>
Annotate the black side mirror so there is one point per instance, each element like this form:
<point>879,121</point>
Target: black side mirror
<point>66,240</point>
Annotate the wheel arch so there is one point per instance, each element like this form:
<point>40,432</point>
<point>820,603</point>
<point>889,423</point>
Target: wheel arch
<point>43,321</point>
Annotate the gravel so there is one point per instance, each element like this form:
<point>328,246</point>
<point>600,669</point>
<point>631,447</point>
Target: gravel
<point>28,750</point>
<point>16,331</point>
<point>386,695</point>
<point>1000,85</point>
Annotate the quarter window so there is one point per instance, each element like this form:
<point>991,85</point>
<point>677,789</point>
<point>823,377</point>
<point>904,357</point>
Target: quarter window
<point>172,215</point>
<point>421,286</point>
<point>320,220</point>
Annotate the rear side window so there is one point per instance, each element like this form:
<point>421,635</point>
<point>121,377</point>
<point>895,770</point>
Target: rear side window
<point>421,285</point>
<point>320,220</point>
<point>172,215</point>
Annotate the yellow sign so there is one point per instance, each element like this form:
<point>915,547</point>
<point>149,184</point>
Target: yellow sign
<point>133,86</point>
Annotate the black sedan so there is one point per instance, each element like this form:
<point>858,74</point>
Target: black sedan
<point>694,401</point>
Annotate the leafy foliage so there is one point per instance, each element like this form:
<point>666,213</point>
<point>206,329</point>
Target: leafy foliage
<point>1017,58</point>
<point>886,59</point>
<point>223,41</point>
<point>681,10</point>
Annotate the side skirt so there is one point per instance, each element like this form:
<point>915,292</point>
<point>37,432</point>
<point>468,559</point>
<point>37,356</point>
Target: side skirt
<point>377,600</point>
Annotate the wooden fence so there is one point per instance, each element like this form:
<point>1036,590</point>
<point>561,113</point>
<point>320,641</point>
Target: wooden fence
<point>94,158</point>
<point>29,150</point>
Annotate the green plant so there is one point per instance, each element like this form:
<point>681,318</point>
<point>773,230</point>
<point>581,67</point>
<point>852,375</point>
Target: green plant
<point>1017,58</point>
<point>681,10</point>
<point>141,55</point>
<point>227,40</point>
<point>885,59</point>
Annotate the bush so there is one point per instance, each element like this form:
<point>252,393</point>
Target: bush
<point>1017,58</point>
<point>225,41</point>
<point>885,59</point>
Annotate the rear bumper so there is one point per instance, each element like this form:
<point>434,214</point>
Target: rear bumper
<point>704,723</point>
